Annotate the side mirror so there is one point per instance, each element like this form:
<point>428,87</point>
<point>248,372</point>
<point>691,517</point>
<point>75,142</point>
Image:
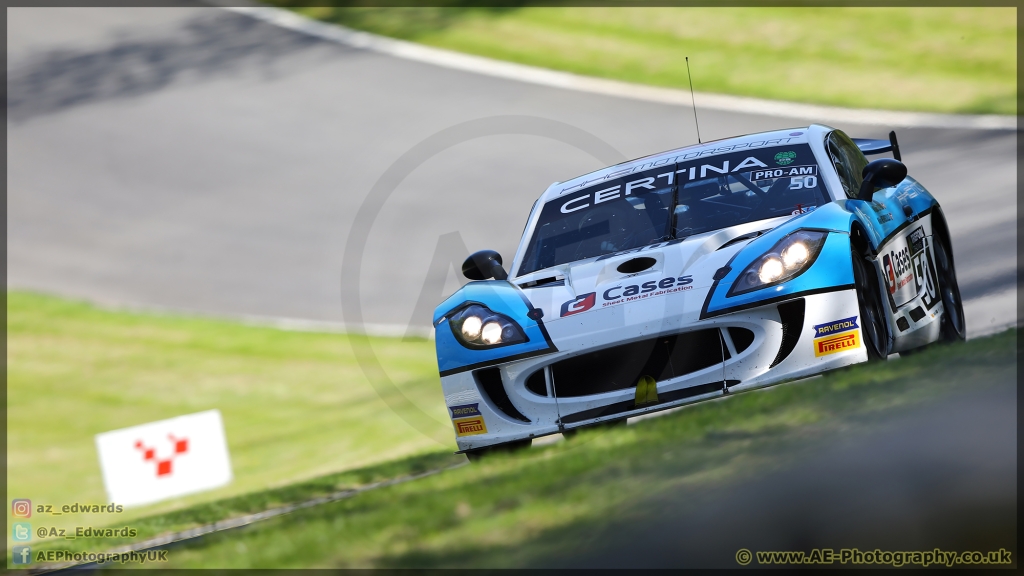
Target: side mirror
<point>881,173</point>
<point>483,265</point>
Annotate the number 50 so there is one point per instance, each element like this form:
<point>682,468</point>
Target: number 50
<point>805,182</point>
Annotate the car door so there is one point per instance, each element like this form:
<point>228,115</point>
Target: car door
<point>900,229</point>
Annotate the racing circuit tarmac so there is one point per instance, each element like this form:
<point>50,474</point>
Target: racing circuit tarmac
<point>199,160</point>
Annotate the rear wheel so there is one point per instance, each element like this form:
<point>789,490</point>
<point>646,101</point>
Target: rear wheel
<point>953,323</point>
<point>508,447</point>
<point>872,312</point>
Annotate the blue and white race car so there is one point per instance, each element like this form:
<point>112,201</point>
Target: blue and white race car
<point>693,273</point>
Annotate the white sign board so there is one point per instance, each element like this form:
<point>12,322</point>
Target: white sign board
<point>160,460</point>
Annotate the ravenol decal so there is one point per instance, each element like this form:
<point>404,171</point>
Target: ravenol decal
<point>783,158</point>
<point>829,328</point>
<point>838,343</point>
<point>836,336</point>
<point>581,303</point>
<point>620,294</point>
<point>465,410</point>
<point>470,426</point>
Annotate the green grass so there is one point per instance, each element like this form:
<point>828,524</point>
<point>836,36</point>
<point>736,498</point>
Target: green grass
<point>926,59</point>
<point>507,510</point>
<point>295,405</point>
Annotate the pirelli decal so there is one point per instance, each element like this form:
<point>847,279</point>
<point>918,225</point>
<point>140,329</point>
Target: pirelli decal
<point>470,426</point>
<point>836,336</point>
<point>833,344</point>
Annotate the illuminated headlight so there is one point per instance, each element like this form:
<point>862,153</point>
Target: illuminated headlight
<point>787,259</point>
<point>475,326</point>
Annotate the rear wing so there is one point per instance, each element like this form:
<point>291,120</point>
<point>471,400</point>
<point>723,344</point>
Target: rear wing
<point>870,147</point>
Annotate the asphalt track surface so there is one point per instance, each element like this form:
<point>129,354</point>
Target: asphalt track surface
<point>200,160</point>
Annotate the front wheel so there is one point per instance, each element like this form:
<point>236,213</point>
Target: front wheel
<point>872,313</point>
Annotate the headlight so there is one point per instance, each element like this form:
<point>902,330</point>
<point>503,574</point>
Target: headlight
<point>787,259</point>
<point>475,326</point>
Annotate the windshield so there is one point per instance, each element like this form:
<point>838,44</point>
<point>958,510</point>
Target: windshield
<point>673,201</point>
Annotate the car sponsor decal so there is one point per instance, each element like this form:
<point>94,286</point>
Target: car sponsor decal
<point>836,326</point>
<point>465,410</point>
<point>691,155</point>
<point>801,209</point>
<point>581,303</point>
<point>790,171</point>
<point>837,343</point>
<point>470,426</point>
<point>648,183</point>
<point>909,270</point>
<point>784,158</point>
<point>898,274</point>
<point>836,336</point>
<point>622,293</point>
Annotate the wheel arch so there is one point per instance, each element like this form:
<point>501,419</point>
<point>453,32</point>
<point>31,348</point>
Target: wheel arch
<point>941,228</point>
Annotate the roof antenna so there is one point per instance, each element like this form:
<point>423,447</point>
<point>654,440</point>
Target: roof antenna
<point>692,100</point>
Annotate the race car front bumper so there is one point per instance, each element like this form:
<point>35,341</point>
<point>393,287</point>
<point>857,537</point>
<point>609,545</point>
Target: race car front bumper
<point>593,376</point>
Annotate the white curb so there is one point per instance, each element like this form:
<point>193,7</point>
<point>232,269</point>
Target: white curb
<point>545,77</point>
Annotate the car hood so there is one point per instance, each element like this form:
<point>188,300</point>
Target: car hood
<point>672,267</point>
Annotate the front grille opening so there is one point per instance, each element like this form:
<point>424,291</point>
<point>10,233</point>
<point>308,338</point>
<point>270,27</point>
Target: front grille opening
<point>621,367</point>
<point>792,315</point>
<point>489,382</point>
<point>741,338</point>
<point>535,383</point>
<point>629,405</point>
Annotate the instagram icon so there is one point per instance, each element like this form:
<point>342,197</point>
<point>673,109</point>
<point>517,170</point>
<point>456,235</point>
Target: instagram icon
<point>21,508</point>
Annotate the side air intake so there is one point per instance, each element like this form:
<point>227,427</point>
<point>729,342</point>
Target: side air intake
<point>489,382</point>
<point>792,315</point>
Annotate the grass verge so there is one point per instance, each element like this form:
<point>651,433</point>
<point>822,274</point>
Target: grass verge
<point>296,406</point>
<point>926,59</point>
<point>504,511</point>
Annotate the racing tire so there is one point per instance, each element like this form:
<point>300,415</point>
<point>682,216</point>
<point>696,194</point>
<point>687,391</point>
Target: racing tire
<point>872,311</point>
<point>508,447</point>
<point>954,326</point>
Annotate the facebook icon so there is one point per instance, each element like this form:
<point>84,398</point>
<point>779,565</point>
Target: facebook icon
<point>21,554</point>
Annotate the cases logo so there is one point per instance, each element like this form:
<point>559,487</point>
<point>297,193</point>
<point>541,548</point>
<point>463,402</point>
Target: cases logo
<point>470,426</point>
<point>897,269</point>
<point>783,158</point>
<point>465,410</point>
<point>581,303</point>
